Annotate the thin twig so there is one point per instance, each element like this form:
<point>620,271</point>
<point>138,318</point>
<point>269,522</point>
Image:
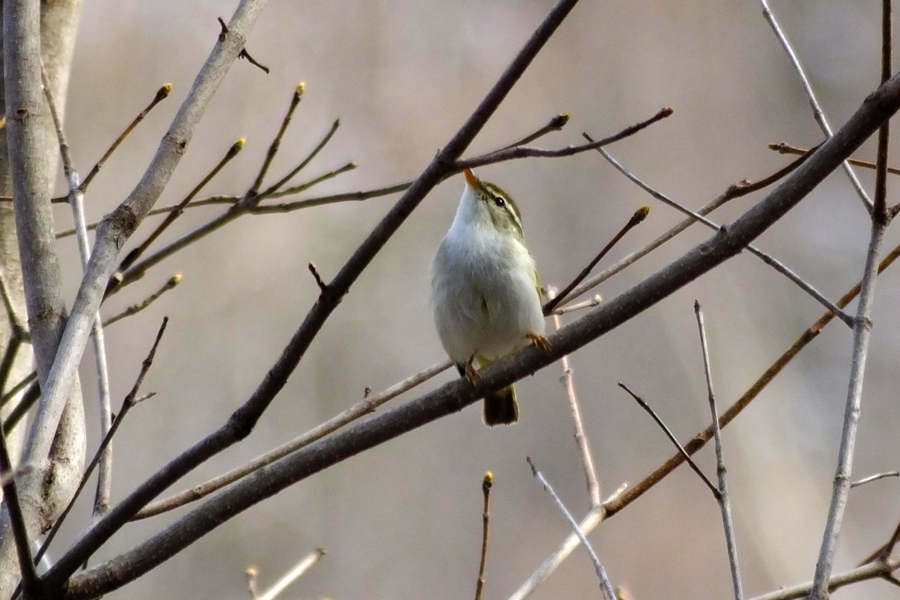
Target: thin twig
<point>879,206</point>
<point>643,404</point>
<point>486,484</point>
<point>297,189</point>
<point>595,301</point>
<point>584,448</point>
<point>170,283</point>
<point>15,320</point>
<point>785,148</point>
<point>638,216</point>
<point>818,113</point>
<point>137,252</point>
<point>17,388</point>
<point>31,395</point>
<point>315,151</point>
<point>605,585</point>
<point>76,201</point>
<point>368,405</point>
<point>293,575</point>
<point>30,579</point>
<point>863,573</point>
<point>244,54</point>
<point>735,190</point>
<point>242,207</point>
<point>276,141</point>
<point>129,401</point>
<point>874,477</point>
<point>555,124</point>
<point>723,496</point>
<point>161,94</point>
<point>528,152</point>
<point>766,258</point>
<point>862,330</point>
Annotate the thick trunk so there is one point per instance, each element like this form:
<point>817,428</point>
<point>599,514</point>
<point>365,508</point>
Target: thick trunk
<point>59,22</point>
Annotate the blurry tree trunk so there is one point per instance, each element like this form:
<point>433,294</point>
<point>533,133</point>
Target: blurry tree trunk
<point>59,24</point>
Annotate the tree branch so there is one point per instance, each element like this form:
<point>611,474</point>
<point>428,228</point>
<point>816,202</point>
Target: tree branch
<point>723,496</point>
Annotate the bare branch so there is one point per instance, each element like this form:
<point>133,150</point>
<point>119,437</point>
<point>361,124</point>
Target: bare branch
<point>170,284</point>
<point>17,520</point>
<point>616,504</point>
<point>76,201</point>
<point>43,492</point>
<point>605,585</point>
<point>734,191</point>
<point>486,484</point>
<point>137,252</point>
<point>584,448</point>
<point>638,216</point>
<point>869,571</point>
<point>161,94</point>
<point>875,477</point>
<point>769,260</point>
<point>293,575</point>
<point>862,329</point>
<point>129,401</point>
<point>643,404</point>
<point>723,496</point>
<point>368,405</point>
<point>785,148</point>
<point>276,142</point>
<point>555,124</point>
<point>526,152</point>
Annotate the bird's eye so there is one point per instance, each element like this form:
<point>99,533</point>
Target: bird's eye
<point>499,201</point>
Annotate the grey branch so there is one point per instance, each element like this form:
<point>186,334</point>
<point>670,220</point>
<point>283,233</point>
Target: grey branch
<point>841,486</point>
<point>723,496</point>
<point>44,492</point>
<point>605,585</point>
<point>584,447</point>
<point>766,258</point>
<point>734,191</point>
<point>367,406</point>
<point>76,201</point>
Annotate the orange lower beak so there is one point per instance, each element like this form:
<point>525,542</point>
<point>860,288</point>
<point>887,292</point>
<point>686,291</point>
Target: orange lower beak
<point>471,179</point>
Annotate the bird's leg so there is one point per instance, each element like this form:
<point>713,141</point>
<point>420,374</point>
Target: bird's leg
<point>539,341</point>
<point>467,370</point>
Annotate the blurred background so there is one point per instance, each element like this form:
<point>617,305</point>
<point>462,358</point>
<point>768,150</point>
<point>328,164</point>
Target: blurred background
<point>404,520</point>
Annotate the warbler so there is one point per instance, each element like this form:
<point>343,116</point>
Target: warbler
<point>485,291</point>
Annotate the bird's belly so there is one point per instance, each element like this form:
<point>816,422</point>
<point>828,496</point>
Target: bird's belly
<point>486,316</point>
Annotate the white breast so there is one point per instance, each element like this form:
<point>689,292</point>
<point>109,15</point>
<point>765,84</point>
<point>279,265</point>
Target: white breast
<point>483,292</point>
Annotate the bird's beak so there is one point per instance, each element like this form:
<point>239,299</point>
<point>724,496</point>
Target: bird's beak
<point>472,180</point>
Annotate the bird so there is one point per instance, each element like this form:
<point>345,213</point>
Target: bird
<point>485,291</point>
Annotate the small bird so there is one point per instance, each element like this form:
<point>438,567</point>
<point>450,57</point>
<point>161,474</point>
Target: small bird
<point>485,291</point>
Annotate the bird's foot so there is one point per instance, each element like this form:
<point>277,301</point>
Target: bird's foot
<point>539,341</point>
<point>471,374</point>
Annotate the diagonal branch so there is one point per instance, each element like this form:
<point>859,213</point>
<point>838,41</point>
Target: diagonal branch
<point>723,497</point>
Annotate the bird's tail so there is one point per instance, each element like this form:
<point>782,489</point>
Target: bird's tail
<point>501,408</point>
